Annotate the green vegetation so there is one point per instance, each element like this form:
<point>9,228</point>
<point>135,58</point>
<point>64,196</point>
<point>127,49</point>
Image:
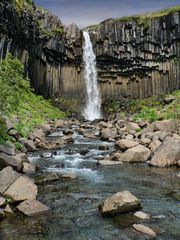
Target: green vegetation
<point>18,101</point>
<point>145,19</point>
<point>21,4</point>
<point>69,105</point>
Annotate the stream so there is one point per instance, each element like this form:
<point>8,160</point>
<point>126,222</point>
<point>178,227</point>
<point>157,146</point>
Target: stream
<point>74,203</point>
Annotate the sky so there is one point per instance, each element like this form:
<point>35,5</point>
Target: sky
<point>88,12</point>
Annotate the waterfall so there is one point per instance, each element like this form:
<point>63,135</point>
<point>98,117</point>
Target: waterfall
<point>92,108</point>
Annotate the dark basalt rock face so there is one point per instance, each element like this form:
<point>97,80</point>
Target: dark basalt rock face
<point>138,60</point>
<point>51,52</point>
<point>134,60</point>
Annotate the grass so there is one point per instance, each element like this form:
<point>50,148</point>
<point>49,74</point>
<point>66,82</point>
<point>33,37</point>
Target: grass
<point>18,101</point>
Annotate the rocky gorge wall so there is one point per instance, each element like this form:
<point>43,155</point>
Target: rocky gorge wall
<point>138,58</point>
<point>134,59</point>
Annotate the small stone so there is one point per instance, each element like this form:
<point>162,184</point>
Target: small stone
<point>8,209</point>
<point>32,207</point>
<point>145,141</point>
<point>144,229</point>
<point>29,168</point>
<point>109,162</point>
<point>141,215</point>
<point>70,175</point>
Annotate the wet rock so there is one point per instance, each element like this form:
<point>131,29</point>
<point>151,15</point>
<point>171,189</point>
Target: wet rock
<point>46,154</point>
<point>144,229</point>
<point>109,163</point>
<point>115,156</point>
<point>23,188</point>
<point>125,144</point>
<point>70,175</point>
<point>165,126</point>
<point>154,145</point>
<point>47,178</point>
<point>32,207</point>
<point>28,168</point>
<point>167,154</point>
<point>103,148</point>
<point>141,215</point>
<point>7,177</point>
<point>125,220</point>
<point>119,203</point>
<point>107,133</point>
<point>2,201</point>
<point>84,151</point>
<point>6,160</point>
<point>136,154</point>
<point>9,149</point>
<point>68,132</point>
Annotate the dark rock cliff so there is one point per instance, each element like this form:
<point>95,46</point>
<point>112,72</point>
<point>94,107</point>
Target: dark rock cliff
<point>134,59</point>
<point>138,59</point>
<point>51,52</point>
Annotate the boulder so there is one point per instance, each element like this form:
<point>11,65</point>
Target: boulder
<point>30,145</point>
<point>141,215</point>
<point>23,188</point>
<point>38,133</point>
<point>32,207</point>
<point>139,153</point>
<point>144,229</point>
<point>165,126</point>
<point>28,168</point>
<point>167,154</point>
<point>7,177</point>
<point>164,135</point>
<point>47,178</point>
<point>125,144</point>
<point>84,151</point>
<point>121,202</point>
<point>154,145</point>
<point>8,149</point>
<point>58,123</point>
<point>45,127</point>
<point>169,99</point>
<point>6,160</point>
<point>133,126</point>
<point>107,133</point>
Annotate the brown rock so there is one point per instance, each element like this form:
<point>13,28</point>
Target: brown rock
<point>119,203</point>
<point>7,177</point>
<point>6,160</point>
<point>59,123</point>
<point>154,145</point>
<point>144,229</point>
<point>29,168</point>
<point>133,126</point>
<point>32,207</point>
<point>141,215</point>
<point>108,162</point>
<point>167,154</point>
<point>165,126</point>
<point>125,144</point>
<point>136,154</point>
<point>8,209</point>
<point>22,189</point>
<point>115,156</point>
<point>70,175</point>
<point>45,127</point>
<point>107,133</point>
<point>30,145</point>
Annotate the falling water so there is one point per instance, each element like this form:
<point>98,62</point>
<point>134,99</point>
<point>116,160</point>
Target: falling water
<point>93,98</point>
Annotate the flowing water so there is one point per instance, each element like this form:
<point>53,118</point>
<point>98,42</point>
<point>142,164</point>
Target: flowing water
<point>93,97</point>
<point>74,203</point>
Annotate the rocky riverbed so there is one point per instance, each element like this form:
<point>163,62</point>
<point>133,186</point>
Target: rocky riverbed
<point>73,167</point>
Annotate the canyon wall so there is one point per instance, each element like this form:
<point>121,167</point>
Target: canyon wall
<point>136,58</point>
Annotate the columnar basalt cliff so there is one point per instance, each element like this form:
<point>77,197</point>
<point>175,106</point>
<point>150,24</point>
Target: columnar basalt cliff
<point>51,52</point>
<point>136,57</point>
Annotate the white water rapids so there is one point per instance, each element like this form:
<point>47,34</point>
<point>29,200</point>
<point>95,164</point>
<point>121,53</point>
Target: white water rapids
<point>92,108</point>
